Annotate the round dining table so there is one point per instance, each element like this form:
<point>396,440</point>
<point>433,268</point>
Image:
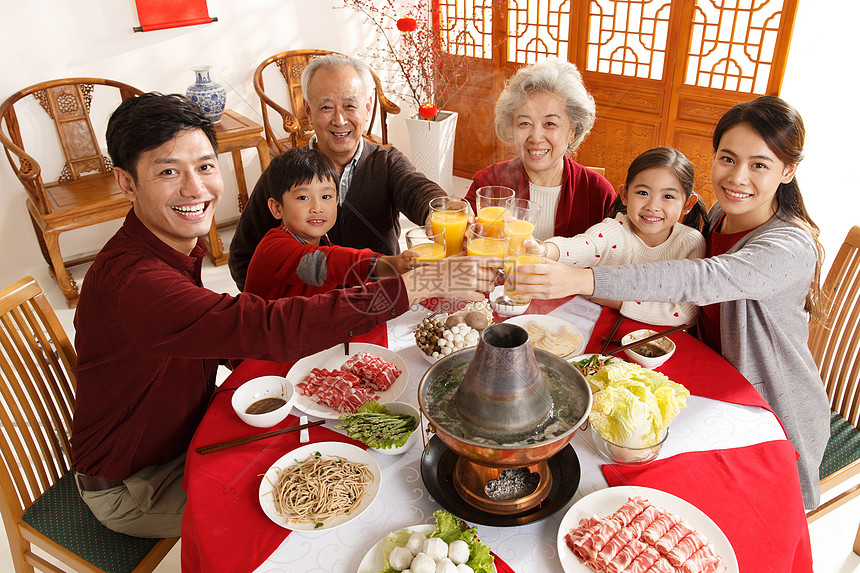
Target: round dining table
<point>726,454</point>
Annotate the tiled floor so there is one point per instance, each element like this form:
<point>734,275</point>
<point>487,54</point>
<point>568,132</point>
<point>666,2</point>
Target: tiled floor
<point>832,536</point>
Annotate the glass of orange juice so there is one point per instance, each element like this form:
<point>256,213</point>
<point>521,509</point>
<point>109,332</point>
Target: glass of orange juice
<point>450,216</point>
<point>480,243</point>
<point>521,219</point>
<point>521,251</point>
<point>490,202</point>
<point>431,245</point>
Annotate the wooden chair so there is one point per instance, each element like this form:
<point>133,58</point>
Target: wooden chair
<point>298,126</point>
<point>39,501</point>
<point>835,346</point>
<point>83,192</point>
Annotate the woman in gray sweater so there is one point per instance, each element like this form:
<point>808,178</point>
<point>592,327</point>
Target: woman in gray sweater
<point>759,286</point>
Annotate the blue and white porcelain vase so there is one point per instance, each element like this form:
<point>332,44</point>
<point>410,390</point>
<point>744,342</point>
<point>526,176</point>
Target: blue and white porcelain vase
<point>209,95</point>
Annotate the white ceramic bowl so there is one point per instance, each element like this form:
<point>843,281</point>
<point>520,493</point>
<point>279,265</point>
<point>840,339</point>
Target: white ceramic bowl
<point>503,309</point>
<point>261,388</point>
<point>664,344</point>
<point>402,408</point>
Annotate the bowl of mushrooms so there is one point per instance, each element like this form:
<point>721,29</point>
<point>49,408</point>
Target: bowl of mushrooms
<point>440,335</point>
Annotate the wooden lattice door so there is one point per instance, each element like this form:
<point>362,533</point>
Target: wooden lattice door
<point>661,71</point>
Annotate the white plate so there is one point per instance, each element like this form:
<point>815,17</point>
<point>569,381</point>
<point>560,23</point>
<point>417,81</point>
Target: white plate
<point>328,450</point>
<point>332,359</point>
<point>551,323</point>
<point>605,502</point>
<point>374,559</point>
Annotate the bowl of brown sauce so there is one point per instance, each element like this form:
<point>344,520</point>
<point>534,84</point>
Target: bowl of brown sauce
<point>263,402</point>
<point>650,354</point>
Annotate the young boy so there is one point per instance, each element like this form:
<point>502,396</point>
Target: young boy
<point>297,259</point>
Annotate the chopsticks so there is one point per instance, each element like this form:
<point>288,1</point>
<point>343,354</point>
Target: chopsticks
<point>647,339</point>
<point>612,332</point>
<point>238,442</point>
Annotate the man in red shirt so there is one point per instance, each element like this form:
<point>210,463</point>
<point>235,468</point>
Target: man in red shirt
<point>149,336</point>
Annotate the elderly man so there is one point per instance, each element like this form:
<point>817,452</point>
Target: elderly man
<point>149,336</point>
<point>377,183</point>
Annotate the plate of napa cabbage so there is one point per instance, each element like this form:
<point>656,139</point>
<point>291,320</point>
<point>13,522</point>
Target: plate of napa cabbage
<point>632,406</point>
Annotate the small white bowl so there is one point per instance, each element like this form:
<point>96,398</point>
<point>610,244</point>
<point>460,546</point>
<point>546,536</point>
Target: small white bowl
<point>502,308</point>
<point>402,408</point>
<point>259,389</point>
<point>664,344</point>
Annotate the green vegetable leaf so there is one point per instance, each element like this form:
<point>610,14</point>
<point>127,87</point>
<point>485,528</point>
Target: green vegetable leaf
<point>449,528</point>
<point>372,406</point>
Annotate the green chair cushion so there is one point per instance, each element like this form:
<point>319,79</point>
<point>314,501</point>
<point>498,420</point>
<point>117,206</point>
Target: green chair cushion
<point>62,515</point>
<point>842,448</point>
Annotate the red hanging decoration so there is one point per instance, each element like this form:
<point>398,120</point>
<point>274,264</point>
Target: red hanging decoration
<point>407,24</point>
<point>163,14</point>
<point>427,111</point>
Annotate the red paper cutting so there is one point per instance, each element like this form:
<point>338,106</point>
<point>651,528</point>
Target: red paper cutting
<point>163,14</point>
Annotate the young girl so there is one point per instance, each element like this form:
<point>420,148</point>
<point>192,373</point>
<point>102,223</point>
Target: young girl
<point>761,275</point>
<point>657,192</point>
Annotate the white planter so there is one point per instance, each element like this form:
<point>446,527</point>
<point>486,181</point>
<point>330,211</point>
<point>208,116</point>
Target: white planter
<point>432,144</point>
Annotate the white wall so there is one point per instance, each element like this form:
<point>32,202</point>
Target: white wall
<point>94,38</point>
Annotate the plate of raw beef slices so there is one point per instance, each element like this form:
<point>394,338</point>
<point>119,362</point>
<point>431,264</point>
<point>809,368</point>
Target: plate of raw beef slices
<point>649,525</point>
<point>331,383</point>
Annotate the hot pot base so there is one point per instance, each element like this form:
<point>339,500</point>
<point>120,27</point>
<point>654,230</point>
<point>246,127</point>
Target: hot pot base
<point>470,481</point>
<point>557,487</point>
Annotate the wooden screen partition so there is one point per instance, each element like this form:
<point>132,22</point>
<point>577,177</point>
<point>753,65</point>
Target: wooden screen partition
<point>661,71</point>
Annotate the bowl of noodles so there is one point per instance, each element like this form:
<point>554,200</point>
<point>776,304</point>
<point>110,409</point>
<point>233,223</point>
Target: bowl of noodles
<point>296,493</point>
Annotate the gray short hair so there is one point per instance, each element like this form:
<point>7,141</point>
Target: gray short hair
<point>334,62</point>
<point>549,76</point>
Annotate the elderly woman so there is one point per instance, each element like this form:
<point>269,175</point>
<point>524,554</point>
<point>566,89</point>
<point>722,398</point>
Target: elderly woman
<point>544,113</point>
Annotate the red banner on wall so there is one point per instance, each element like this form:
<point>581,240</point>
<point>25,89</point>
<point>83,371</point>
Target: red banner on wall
<point>163,14</point>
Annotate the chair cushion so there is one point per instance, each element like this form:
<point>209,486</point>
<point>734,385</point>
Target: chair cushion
<point>61,515</point>
<point>842,448</point>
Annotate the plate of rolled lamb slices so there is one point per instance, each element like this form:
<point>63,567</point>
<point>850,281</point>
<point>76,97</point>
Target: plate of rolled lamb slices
<point>637,529</point>
<point>331,383</point>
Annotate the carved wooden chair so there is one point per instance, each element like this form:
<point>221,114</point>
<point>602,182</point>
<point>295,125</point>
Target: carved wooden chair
<point>39,501</point>
<point>294,122</point>
<point>81,191</point>
<point>835,345</point>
